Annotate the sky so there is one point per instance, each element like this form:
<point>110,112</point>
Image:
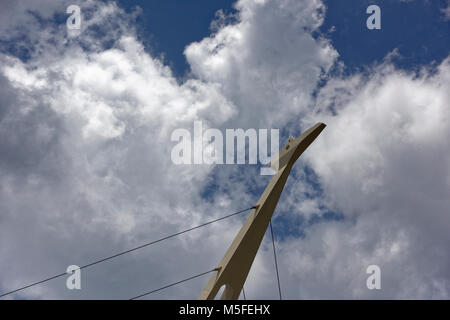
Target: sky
<point>86,119</point>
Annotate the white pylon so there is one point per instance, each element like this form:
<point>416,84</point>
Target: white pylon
<point>235,265</point>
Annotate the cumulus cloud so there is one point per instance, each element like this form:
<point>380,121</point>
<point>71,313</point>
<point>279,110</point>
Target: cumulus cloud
<point>85,140</point>
<point>267,62</point>
<point>383,162</point>
<point>85,167</point>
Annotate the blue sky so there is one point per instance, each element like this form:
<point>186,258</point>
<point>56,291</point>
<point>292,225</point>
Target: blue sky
<point>85,143</point>
<point>163,36</point>
<point>416,28</point>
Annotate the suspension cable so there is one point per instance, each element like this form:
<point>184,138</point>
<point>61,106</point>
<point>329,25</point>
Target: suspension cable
<point>275,257</point>
<point>127,251</point>
<point>175,283</point>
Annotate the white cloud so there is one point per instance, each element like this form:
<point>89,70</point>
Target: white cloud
<point>384,162</point>
<point>268,63</point>
<point>85,140</point>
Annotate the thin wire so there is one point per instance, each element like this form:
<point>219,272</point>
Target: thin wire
<point>243,292</point>
<point>173,284</point>
<point>127,251</point>
<point>275,256</point>
<point>33,284</point>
